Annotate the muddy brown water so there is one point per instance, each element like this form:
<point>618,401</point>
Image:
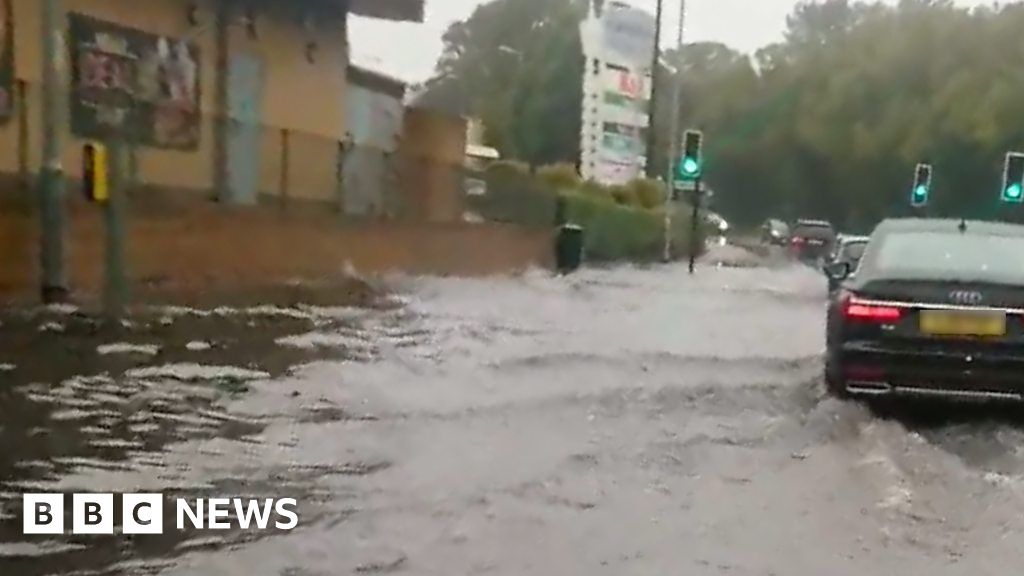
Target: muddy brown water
<point>622,421</point>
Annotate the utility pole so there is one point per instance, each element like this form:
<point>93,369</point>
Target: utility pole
<point>652,140</point>
<point>51,178</point>
<point>115,286</point>
<point>673,146</point>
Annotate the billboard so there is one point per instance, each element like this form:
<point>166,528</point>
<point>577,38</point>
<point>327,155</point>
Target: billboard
<point>626,90</point>
<point>629,35</point>
<point>132,84</point>
<point>618,43</point>
<point>6,61</point>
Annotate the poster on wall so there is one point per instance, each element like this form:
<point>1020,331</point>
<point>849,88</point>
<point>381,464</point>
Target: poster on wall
<point>140,86</point>
<point>6,61</point>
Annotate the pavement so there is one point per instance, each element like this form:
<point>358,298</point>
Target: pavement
<point>634,420</point>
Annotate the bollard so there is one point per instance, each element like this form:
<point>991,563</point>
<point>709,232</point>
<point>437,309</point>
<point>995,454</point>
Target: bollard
<point>569,248</point>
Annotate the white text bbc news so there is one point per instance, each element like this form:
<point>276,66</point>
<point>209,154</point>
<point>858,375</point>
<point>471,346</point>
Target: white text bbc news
<point>144,513</point>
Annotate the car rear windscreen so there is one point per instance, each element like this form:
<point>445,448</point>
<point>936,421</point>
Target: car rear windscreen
<point>814,231</point>
<point>950,256</point>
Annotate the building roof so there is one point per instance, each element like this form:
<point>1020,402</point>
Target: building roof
<point>404,10</point>
<point>401,10</point>
<point>376,81</point>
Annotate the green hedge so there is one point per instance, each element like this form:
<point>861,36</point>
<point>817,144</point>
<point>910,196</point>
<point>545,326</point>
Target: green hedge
<point>514,196</point>
<point>621,223</point>
<point>614,232</point>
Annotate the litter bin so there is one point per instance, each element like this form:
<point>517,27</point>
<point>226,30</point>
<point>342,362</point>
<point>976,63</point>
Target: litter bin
<point>569,248</point>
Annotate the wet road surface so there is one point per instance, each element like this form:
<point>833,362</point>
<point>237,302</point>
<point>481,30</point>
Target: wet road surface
<point>623,421</point>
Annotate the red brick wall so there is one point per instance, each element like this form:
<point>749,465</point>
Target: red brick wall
<point>204,246</point>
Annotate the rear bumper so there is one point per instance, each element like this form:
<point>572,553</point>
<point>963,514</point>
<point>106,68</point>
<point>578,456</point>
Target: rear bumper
<point>809,253</point>
<point>870,370</point>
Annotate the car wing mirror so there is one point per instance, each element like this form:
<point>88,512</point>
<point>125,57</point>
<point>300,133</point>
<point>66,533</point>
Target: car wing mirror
<point>838,270</point>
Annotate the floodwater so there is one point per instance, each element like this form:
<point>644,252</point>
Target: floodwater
<point>618,421</point>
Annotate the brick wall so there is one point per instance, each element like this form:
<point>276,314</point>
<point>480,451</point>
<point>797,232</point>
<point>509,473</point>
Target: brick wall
<point>178,246</point>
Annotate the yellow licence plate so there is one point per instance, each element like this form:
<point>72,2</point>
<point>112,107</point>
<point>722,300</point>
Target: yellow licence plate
<point>942,323</point>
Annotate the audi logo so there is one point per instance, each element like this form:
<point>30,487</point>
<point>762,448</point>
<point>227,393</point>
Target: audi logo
<point>967,297</point>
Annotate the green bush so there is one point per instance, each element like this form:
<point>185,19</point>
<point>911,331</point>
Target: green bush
<point>559,177</point>
<point>621,223</point>
<point>649,193</point>
<point>514,196</point>
<point>623,195</point>
<point>508,169</point>
<point>591,189</point>
<point>621,233</point>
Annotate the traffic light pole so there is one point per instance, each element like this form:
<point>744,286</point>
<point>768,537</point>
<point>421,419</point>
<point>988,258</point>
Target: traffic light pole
<point>673,151</point>
<point>694,227</point>
<point>652,138</point>
<point>51,178</point>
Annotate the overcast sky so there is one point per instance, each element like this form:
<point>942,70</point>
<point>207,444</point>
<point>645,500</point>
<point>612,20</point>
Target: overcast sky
<point>409,51</point>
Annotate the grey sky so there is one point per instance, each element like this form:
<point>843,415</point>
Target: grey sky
<point>410,51</point>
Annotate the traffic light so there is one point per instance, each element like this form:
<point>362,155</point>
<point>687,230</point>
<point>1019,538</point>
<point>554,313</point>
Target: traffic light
<point>922,185</point>
<point>1013,178</point>
<point>691,165</point>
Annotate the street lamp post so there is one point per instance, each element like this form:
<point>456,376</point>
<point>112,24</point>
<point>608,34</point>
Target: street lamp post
<point>673,150</point>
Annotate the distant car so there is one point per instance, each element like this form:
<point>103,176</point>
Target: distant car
<point>775,233</point>
<point>812,240</point>
<point>935,309</point>
<point>719,224</point>
<point>849,250</point>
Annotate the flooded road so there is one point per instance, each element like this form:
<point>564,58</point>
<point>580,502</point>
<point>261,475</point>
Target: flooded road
<point>622,421</point>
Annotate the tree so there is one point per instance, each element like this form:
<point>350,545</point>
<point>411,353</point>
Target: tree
<point>829,123</point>
<point>516,65</point>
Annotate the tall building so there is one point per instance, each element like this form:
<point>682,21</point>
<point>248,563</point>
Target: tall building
<point>618,41</point>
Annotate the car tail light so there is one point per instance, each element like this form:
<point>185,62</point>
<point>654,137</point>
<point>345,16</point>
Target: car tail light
<point>861,311</point>
<point>798,240</point>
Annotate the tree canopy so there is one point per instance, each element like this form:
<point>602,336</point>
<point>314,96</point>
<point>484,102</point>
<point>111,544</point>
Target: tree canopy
<point>517,65</point>
<point>828,123</point>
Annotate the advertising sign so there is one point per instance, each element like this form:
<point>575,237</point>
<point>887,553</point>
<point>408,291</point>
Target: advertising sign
<point>137,85</point>
<point>6,61</point>
<point>618,42</point>
<point>626,90</point>
<point>616,171</point>
<point>629,34</point>
<point>624,140</point>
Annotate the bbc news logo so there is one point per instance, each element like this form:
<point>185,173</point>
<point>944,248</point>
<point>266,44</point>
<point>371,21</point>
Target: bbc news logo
<point>144,513</point>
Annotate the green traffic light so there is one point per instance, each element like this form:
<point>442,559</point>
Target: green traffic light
<point>1014,192</point>
<point>921,192</point>
<point>690,166</point>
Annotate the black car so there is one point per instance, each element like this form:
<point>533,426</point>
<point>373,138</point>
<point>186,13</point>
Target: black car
<point>936,308</point>
<point>812,240</point>
<point>849,250</point>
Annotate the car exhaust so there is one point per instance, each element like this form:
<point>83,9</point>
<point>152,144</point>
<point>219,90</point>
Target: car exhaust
<point>869,388</point>
<point>962,394</point>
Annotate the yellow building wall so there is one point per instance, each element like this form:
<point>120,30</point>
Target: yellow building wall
<point>433,148</point>
<point>306,98</point>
